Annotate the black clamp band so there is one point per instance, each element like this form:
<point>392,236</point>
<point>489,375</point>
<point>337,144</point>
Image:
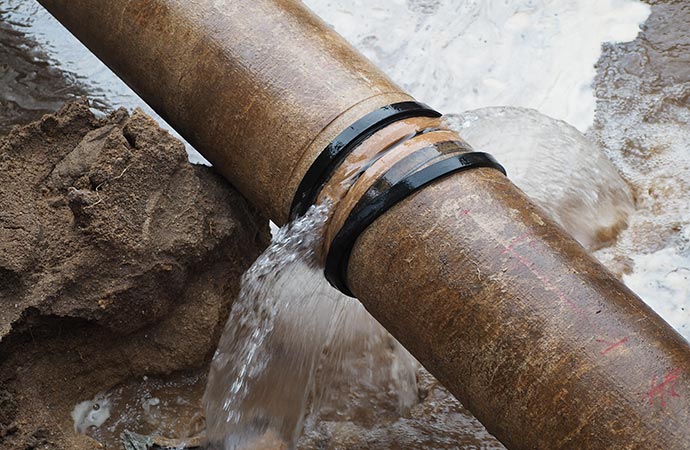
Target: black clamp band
<point>377,201</point>
<point>334,154</point>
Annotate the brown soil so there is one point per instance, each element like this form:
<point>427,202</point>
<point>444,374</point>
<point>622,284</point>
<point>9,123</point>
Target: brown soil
<point>118,259</point>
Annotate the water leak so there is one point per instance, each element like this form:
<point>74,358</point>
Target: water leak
<point>292,341</point>
<point>568,175</point>
<point>289,339</point>
<point>303,366</point>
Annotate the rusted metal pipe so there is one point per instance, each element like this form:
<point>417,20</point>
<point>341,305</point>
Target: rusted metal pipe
<point>537,339</point>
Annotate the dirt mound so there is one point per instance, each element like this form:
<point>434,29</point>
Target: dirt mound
<point>118,259</point>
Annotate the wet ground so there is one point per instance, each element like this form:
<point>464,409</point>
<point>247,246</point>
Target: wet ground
<point>43,65</point>
<point>30,84</point>
<point>642,121</point>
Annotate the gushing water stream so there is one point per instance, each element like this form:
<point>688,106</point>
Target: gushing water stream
<point>288,339</point>
<point>304,357</point>
<point>291,338</point>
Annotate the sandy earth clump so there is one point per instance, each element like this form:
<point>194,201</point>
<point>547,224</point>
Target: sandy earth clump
<point>118,259</point>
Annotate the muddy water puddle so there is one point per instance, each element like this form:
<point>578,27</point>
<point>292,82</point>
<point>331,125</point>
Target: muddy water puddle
<point>642,125</point>
<point>167,407</point>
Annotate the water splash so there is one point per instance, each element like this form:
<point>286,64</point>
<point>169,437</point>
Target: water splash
<point>164,407</point>
<point>294,345</point>
<point>296,350</point>
<point>565,173</point>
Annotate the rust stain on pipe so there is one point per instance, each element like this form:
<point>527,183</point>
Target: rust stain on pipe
<point>535,337</point>
<point>543,344</point>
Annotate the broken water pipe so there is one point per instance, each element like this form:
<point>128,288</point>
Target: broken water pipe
<point>543,344</point>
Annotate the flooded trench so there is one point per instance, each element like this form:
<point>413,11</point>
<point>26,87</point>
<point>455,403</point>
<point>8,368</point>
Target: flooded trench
<point>641,123</point>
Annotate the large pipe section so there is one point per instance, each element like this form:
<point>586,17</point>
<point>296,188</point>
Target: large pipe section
<point>536,338</point>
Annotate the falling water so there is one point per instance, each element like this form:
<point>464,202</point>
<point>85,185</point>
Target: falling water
<point>324,365</point>
<point>288,340</point>
<point>292,341</point>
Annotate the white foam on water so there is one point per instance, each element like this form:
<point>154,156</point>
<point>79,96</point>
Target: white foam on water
<point>662,278</point>
<point>465,54</point>
<point>91,413</point>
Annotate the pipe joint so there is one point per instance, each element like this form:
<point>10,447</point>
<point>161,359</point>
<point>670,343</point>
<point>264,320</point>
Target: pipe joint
<point>373,164</point>
<point>338,150</point>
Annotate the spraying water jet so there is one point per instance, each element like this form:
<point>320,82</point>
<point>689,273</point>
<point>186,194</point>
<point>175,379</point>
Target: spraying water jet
<point>546,347</point>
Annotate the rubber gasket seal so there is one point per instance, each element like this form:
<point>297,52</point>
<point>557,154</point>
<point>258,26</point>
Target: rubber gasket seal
<point>375,202</point>
<point>333,155</point>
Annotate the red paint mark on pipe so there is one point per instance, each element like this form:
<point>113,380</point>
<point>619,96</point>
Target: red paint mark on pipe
<point>514,242</point>
<point>612,346</point>
<point>546,282</point>
<point>664,388</point>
